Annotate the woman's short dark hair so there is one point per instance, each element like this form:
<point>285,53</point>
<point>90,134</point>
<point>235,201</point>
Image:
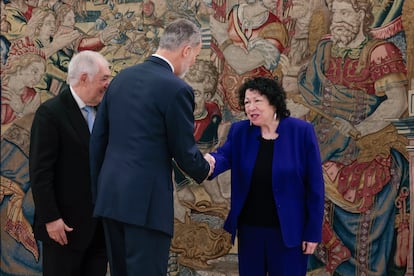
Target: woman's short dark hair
<point>269,88</point>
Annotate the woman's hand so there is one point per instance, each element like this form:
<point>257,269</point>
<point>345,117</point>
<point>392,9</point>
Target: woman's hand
<point>308,247</point>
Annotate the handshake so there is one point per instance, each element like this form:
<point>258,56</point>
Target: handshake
<point>211,161</point>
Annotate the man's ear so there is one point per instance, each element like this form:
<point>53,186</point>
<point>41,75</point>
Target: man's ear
<point>83,77</point>
<point>187,50</point>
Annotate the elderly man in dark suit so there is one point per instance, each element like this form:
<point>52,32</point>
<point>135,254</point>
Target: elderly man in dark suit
<point>73,241</point>
<point>145,120</point>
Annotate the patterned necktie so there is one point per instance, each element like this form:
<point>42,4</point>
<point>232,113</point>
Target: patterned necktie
<point>90,116</point>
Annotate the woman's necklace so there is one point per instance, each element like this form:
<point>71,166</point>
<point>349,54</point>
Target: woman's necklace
<point>271,135</point>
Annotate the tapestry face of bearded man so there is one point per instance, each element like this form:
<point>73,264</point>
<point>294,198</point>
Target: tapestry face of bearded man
<point>356,82</point>
<point>345,25</point>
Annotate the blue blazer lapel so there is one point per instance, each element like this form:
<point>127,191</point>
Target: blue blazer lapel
<point>251,148</point>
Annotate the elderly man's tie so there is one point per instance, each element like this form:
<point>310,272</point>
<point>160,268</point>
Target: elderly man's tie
<point>90,116</point>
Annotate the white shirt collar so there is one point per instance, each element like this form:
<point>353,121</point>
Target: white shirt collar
<point>78,100</point>
<point>166,60</point>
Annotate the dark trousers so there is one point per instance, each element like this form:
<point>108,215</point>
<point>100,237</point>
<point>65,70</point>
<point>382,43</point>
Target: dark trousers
<point>64,261</point>
<point>135,250</point>
<point>261,251</point>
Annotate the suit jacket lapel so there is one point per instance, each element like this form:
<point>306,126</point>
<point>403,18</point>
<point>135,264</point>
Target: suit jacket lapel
<point>75,117</point>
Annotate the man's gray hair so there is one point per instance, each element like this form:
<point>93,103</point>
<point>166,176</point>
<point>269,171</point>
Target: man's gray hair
<point>84,62</point>
<point>178,33</point>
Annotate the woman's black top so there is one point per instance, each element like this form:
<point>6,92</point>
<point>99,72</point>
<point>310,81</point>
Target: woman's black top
<point>260,208</point>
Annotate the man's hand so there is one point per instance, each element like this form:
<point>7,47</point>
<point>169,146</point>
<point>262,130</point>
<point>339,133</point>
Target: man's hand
<point>308,247</point>
<point>211,161</point>
<point>57,231</point>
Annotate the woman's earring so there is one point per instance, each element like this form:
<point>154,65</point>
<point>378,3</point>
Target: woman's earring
<point>250,123</point>
<point>275,116</point>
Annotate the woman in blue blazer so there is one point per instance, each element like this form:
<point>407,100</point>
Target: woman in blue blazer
<point>277,188</point>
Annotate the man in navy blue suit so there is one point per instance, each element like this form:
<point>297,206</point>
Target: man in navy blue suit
<point>146,120</point>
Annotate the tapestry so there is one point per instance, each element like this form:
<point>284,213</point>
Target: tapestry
<point>349,93</point>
